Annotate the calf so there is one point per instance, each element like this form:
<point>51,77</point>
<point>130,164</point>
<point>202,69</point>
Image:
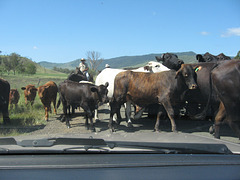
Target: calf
<point>13,98</point>
<point>4,100</point>
<point>142,89</point>
<point>47,94</point>
<point>30,92</point>
<point>84,94</point>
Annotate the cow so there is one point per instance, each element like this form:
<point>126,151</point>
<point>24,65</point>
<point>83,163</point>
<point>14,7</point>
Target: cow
<point>84,94</point>
<point>222,57</point>
<point>197,99</point>
<point>13,98</point>
<point>165,88</point>
<point>30,92</point>
<point>207,57</point>
<point>170,60</point>
<point>108,75</point>
<point>226,82</point>
<point>47,94</point>
<point>4,100</point>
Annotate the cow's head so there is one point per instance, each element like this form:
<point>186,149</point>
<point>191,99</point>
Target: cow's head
<point>170,60</point>
<point>187,72</point>
<point>42,91</point>
<point>30,90</point>
<point>207,57</point>
<point>154,67</point>
<point>101,91</point>
<point>222,57</point>
<point>13,93</point>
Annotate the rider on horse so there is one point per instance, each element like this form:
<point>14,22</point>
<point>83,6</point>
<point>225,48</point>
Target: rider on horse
<point>83,66</point>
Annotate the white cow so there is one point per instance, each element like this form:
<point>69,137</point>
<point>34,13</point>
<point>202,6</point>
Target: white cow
<point>109,74</point>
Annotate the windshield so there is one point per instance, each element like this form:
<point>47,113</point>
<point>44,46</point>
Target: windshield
<point>162,72</point>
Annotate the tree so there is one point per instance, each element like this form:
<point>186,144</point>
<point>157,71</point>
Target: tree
<point>238,55</point>
<point>30,68</point>
<point>6,64</point>
<point>94,59</point>
<point>14,61</point>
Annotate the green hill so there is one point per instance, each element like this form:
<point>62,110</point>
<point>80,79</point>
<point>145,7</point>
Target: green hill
<point>123,61</point>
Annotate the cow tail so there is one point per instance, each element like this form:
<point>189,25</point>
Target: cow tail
<point>60,99</point>
<point>59,102</point>
<point>203,114</point>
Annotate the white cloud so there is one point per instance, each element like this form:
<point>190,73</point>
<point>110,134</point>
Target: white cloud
<point>35,47</point>
<point>204,33</point>
<point>231,32</point>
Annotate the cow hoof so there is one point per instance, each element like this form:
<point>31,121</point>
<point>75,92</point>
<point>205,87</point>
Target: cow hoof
<point>93,130</point>
<point>156,130</point>
<point>69,127</point>
<point>211,129</point>
<point>112,130</point>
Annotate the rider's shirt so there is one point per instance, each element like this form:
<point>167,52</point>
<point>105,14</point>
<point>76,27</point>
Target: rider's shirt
<point>83,66</point>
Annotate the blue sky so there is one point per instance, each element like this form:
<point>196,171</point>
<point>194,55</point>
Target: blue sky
<point>65,30</point>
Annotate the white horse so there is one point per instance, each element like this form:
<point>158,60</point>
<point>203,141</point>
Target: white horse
<point>109,74</point>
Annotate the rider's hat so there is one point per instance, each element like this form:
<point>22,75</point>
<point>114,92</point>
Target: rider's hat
<point>83,59</point>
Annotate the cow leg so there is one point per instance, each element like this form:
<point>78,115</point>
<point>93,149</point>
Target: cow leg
<point>96,116</point>
<point>128,114</point>
<point>54,105</point>
<point>46,113</point>
<point>89,115</point>
<point>86,121</point>
<point>219,118</point>
<point>156,128</point>
<point>6,119</point>
<point>113,110</point>
<point>168,107</point>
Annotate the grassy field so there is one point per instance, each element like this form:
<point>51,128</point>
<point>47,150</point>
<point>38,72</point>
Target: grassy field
<point>27,116</point>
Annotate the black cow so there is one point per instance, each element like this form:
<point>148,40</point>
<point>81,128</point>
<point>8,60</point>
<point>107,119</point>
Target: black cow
<point>142,89</point>
<point>4,100</point>
<point>84,94</point>
<point>77,77</point>
<point>226,82</point>
<point>207,57</point>
<point>170,60</point>
<point>197,99</point>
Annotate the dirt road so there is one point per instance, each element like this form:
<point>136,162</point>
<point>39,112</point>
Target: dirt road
<point>145,124</point>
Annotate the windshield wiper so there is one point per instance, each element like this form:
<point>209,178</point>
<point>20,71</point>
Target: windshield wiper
<point>182,148</point>
<point>100,144</point>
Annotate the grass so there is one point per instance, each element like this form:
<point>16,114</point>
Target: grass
<point>26,116</point>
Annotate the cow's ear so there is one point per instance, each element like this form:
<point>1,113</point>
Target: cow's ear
<point>178,73</point>
<point>23,88</point>
<point>199,57</point>
<point>106,84</point>
<point>94,89</point>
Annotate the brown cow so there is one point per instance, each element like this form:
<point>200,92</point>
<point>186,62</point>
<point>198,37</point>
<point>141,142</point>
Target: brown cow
<point>165,88</point>
<point>13,98</point>
<point>48,93</point>
<point>30,92</point>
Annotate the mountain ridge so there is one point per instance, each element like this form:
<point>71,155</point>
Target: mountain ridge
<point>123,61</point>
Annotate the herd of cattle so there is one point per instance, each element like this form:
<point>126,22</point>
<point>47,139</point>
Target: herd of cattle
<point>208,88</point>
